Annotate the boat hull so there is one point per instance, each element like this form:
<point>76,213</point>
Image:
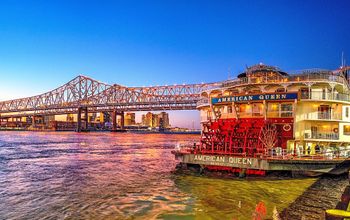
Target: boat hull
<point>308,167</point>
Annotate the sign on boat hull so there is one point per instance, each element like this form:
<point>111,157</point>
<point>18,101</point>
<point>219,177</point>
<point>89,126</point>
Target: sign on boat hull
<point>312,167</point>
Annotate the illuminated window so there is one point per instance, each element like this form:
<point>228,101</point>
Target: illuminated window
<point>257,109</point>
<point>346,129</point>
<point>286,110</point>
<point>273,106</point>
<point>286,107</point>
<point>273,110</point>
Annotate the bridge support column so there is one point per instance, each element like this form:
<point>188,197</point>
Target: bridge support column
<point>18,122</point>
<point>2,122</point>
<point>79,120</point>
<point>122,121</point>
<point>86,119</point>
<point>114,120</point>
<point>115,113</point>
<point>33,120</point>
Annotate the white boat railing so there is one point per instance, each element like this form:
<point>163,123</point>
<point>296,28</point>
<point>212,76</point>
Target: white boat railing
<point>320,116</point>
<point>322,135</point>
<point>305,76</point>
<point>319,95</point>
<point>325,154</point>
<point>282,154</point>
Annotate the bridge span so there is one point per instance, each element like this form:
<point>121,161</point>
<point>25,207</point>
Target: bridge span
<point>83,95</point>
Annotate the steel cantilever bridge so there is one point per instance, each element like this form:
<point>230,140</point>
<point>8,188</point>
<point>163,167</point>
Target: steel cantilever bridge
<point>83,94</point>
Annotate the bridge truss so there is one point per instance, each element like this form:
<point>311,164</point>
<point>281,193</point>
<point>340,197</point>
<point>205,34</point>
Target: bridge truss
<point>85,92</point>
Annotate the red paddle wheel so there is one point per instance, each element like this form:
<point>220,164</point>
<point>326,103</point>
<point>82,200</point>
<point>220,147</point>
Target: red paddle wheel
<point>243,137</point>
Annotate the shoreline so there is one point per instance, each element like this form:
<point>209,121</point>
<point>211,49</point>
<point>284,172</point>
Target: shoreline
<point>103,131</point>
<point>325,193</point>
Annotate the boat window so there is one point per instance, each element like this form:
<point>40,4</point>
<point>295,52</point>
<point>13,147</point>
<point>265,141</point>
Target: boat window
<point>244,110</point>
<point>323,93</point>
<point>324,108</point>
<point>286,110</point>
<point>286,107</point>
<point>257,109</point>
<point>229,109</point>
<point>346,129</point>
<point>273,110</point>
<point>276,110</point>
<point>304,93</point>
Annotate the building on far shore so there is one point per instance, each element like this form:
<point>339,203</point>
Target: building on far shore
<point>129,119</point>
<point>156,120</point>
<point>93,120</point>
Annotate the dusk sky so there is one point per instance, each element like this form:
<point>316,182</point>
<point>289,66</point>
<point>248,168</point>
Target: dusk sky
<point>44,44</point>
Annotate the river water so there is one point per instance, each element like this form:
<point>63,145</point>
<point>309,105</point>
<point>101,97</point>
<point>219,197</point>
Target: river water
<point>67,175</point>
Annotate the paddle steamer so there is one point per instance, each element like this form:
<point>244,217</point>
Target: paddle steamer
<point>268,120</point>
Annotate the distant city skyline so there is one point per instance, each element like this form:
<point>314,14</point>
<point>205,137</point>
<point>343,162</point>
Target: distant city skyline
<point>45,44</point>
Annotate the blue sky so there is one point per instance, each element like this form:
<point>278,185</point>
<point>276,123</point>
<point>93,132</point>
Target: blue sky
<point>44,44</point>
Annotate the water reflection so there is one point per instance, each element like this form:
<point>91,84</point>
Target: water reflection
<point>120,176</point>
<point>230,199</point>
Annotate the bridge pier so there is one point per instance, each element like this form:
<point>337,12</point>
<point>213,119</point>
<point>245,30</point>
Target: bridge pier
<point>38,122</point>
<point>7,122</point>
<point>86,119</point>
<point>18,121</point>
<point>82,121</point>
<point>79,120</point>
<point>114,120</point>
<point>33,121</point>
<point>122,120</point>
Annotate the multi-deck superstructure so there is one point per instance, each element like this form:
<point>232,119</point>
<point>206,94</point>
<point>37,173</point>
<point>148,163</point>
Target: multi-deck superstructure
<point>267,119</point>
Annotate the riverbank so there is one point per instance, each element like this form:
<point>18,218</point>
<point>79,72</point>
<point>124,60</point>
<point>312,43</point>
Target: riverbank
<point>162,132</point>
<point>136,131</point>
<point>324,194</point>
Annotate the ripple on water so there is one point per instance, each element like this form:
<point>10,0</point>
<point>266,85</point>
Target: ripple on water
<point>120,176</point>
